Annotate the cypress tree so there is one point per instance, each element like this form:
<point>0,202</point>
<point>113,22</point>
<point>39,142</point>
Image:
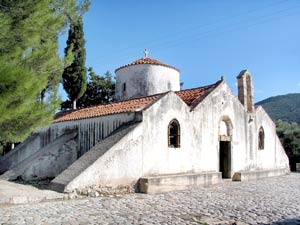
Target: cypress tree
<point>74,77</point>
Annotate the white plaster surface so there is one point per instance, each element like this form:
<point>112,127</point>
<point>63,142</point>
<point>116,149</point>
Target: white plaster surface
<point>144,151</point>
<point>145,80</point>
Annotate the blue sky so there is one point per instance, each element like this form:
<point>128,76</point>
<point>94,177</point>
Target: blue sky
<point>204,39</point>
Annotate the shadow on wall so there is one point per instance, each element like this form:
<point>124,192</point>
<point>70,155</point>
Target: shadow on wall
<point>294,221</point>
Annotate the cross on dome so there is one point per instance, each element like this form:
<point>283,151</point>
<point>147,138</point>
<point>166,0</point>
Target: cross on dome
<point>146,52</point>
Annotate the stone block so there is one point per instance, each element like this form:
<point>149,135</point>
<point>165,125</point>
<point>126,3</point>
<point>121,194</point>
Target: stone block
<point>298,167</point>
<point>258,174</point>
<point>165,183</point>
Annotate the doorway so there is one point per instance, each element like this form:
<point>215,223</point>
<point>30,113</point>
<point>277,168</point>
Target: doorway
<point>225,159</point>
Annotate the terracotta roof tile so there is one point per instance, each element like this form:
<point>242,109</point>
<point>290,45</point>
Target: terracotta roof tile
<point>195,95</point>
<point>190,96</point>
<point>147,61</point>
<point>106,109</point>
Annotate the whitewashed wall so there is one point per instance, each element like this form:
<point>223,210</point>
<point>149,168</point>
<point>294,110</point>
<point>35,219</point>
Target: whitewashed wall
<point>121,165</point>
<point>144,150</point>
<point>145,80</point>
<point>90,131</point>
<point>273,154</point>
<point>199,149</point>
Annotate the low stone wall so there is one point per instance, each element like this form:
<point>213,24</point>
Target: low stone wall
<point>20,153</point>
<point>298,167</point>
<point>160,184</point>
<point>259,174</point>
<point>48,161</point>
<point>101,191</point>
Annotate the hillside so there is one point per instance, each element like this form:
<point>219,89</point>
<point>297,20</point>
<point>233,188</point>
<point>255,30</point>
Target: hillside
<point>284,107</point>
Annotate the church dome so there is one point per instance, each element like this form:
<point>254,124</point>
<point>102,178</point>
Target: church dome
<point>147,61</point>
<point>144,77</point>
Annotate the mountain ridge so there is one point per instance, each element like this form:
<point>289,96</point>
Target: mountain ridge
<point>283,107</point>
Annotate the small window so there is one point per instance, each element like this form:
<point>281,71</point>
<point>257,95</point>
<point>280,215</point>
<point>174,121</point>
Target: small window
<point>261,138</point>
<point>174,134</point>
<point>169,86</point>
<point>124,87</point>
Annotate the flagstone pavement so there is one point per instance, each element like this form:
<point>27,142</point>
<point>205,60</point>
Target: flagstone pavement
<point>268,201</point>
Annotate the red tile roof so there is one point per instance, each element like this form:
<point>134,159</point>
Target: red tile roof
<point>195,95</point>
<point>190,96</point>
<point>147,61</point>
<point>106,109</point>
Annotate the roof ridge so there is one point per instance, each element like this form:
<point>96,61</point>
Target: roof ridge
<point>190,89</point>
<point>147,60</point>
<point>194,96</point>
<point>200,98</point>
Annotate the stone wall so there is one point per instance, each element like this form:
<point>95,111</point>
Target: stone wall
<point>200,136</point>
<point>21,152</point>
<point>90,132</point>
<point>273,155</point>
<point>199,150</point>
<point>144,150</point>
<point>121,164</point>
<point>48,162</point>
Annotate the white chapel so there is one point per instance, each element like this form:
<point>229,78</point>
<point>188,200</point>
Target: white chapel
<point>154,137</point>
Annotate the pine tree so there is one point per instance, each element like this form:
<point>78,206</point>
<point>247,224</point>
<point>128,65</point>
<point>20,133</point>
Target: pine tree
<point>29,62</point>
<point>74,77</point>
<point>20,110</point>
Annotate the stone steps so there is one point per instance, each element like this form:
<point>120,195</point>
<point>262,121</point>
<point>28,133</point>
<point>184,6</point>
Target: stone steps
<point>51,149</point>
<point>62,180</point>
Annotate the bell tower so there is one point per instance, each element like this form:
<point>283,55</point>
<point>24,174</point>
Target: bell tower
<point>245,90</point>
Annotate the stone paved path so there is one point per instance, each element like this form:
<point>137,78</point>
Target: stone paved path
<point>269,201</point>
<point>11,192</point>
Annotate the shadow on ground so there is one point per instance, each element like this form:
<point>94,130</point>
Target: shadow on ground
<point>294,221</point>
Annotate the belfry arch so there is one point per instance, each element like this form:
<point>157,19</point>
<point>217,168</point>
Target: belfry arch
<point>225,138</point>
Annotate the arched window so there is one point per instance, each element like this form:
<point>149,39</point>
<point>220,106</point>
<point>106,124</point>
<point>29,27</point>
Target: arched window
<point>174,134</point>
<point>261,138</point>
<point>124,87</point>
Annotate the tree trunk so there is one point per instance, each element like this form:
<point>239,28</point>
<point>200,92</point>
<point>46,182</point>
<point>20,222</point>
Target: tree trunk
<point>43,96</point>
<point>74,104</point>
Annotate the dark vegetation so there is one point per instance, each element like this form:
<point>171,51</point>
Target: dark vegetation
<point>283,107</point>
<point>289,135</point>
<point>74,77</point>
<point>30,66</point>
<point>100,90</point>
<point>285,111</point>
<point>31,69</point>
